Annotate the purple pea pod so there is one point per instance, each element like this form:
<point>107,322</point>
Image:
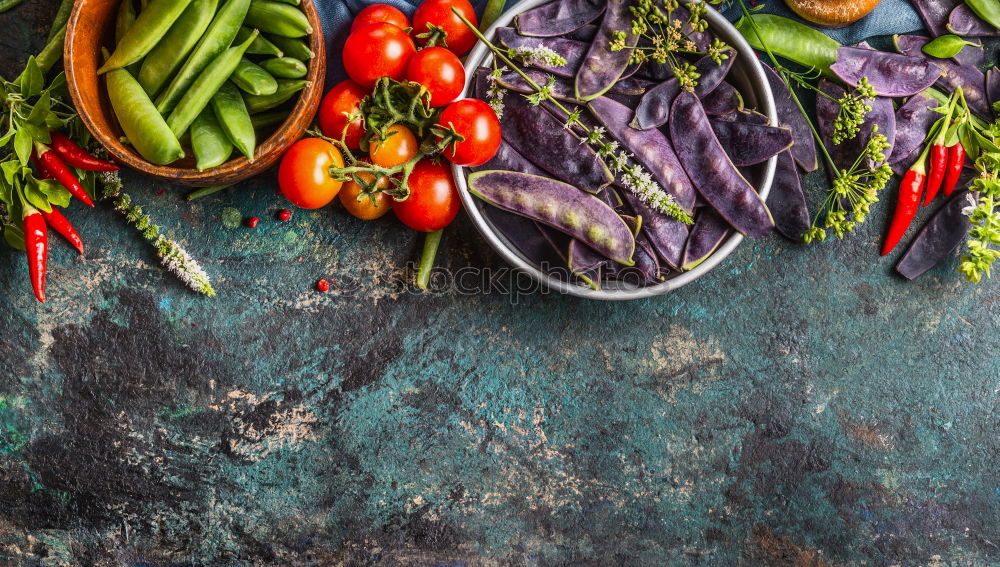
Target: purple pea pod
<point>646,267</point>
<point>969,55</point>
<point>666,234</point>
<point>747,116</point>
<point>602,67</point>
<point>964,22</point>
<point>573,51</point>
<point>651,149</point>
<point>993,86</point>
<point>725,99</point>
<point>935,13</point>
<point>913,121</point>
<point>558,18</point>
<point>882,114</point>
<point>711,170</point>
<point>938,239</point>
<point>750,144</point>
<point>709,232</point>
<point>788,113</point>
<point>507,158</point>
<point>524,234</point>
<point>953,75</point>
<point>586,34</point>
<point>562,87</point>
<point>890,74</point>
<point>582,259</point>
<point>787,202</point>
<point>654,108</point>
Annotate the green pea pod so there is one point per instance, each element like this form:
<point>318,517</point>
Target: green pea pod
<point>205,86</point>
<point>211,146</point>
<point>278,19</point>
<point>292,47</point>
<point>173,49</point>
<point>145,128</point>
<point>286,90</point>
<point>987,10</point>
<point>124,19</point>
<point>946,46</point>
<point>149,28</point>
<point>260,46</point>
<point>235,120</point>
<point>790,39</point>
<point>292,2</point>
<point>285,67</point>
<point>268,119</point>
<point>253,79</point>
<point>219,36</point>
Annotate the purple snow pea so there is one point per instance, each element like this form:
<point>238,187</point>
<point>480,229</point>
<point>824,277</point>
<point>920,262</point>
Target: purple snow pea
<point>666,234</point>
<point>558,18</point>
<point>913,121</point>
<point>655,105</point>
<point>935,13</point>
<point>965,23</point>
<point>993,85</point>
<point>938,239</point>
<point>602,67</point>
<point>882,114</point>
<point>787,202</point>
<point>725,99</point>
<point>750,144</point>
<point>969,55</point>
<point>789,114</point>
<point>890,74</point>
<point>708,233</point>
<point>953,75</point>
<point>524,234</point>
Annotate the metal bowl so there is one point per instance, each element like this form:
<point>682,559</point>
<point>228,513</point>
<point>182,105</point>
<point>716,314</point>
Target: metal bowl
<point>747,76</point>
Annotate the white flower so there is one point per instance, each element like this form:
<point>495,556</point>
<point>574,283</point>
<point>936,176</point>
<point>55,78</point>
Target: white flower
<point>973,203</point>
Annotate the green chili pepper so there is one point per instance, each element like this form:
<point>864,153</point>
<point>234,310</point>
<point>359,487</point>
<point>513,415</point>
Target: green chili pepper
<point>285,67</point>
<point>292,47</point>
<point>168,55</point>
<point>210,144</point>
<point>149,28</point>
<point>235,120</point>
<point>988,10</point>
<point>286,90</point>
<point>253,79</point>
<point>267,119</point>
<point>790,39</point>
<point>207,84</point>
<point>278,19</point>
<point>217,38</point>
<point>946,46</point>
<point>260,46</point>
<point>145,128</point>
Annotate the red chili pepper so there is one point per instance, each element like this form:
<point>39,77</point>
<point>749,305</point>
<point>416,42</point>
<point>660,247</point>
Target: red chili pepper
<point>956,161</point>
<point>908,203</point>
<point>939,161</point>
<point>77,156</point>
<point>61,224</point>
<point>50,162</point>
<point>36,244</point>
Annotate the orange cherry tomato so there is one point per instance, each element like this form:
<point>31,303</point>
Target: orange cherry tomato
<point>398,148</point>
<point>360,205</point>
<point>304,174</point>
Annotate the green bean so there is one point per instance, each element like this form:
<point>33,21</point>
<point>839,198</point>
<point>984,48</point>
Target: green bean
<point>62,17</point>
<point>145,128</point>
<point>150,26</point>
<point>169,54</point>
<point>260,46</point>
<point>988,10</point>
<point>253,79</point>
<point>52,52</point>
<point>285,67</point>
<point>791,40</point>
<point>286,90</point>
<point>266,119</point>
<point>292,47</point>
<point>217,38</point>
<point>278,19</point>
<point>124,19</point>
<point>8,5</point>
<point>235,120</point>
<point>210,144</point>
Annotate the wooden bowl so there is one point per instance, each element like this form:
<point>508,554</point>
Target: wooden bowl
<point>91,26</point>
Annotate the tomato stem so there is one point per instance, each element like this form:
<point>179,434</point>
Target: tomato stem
<point>431,244</point>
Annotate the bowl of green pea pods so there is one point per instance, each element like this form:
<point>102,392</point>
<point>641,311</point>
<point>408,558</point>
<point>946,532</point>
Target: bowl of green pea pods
<point>196,92</point>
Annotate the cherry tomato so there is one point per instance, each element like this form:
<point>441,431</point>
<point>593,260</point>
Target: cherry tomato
<point>375,51</point>
<point>377,13</point>
<point>440,72</point>
<point>398,148</point>
<point>460,38</point>
<point>361,206</point>
<point>433,201</point>
<point>475,121</point>
<point>304,174</point>
<point>341,102</point>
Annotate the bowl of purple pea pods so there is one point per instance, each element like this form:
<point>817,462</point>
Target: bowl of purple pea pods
<point>639,144</point>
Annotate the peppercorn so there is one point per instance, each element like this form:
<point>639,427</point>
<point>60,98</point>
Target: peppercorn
<point>323,285</point>
<point>284,214</point>
<point>252,222</point>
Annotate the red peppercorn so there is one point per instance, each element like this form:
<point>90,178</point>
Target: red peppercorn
<point>252,222</point>
<point>284,214</point>
<point>323,285</point>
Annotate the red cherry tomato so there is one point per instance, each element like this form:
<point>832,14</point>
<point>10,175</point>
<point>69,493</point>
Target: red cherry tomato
<point>340,103</point>
<point>304,174</point>
<point>475,121</point>
<point>375,51</point>
<point>440,72</point>
<point>433,201</point>
<point>460,38</point>
<point>377,13</point>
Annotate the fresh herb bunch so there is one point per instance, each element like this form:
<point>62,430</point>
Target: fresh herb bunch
<point>669,37</point>
<point>983,243</point>
<point>854,105</point>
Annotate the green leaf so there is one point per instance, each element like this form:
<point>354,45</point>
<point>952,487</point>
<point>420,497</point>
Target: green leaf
<point>951,137</point>
<point>10,169</point>
<point>57,87</point>
<point>971,148</point>
<point>14,236</point>
<point>38,133</point>
<point>6,193</point>
<point>31,80</point>
<point>23,143</point>
<point>54,192</point>
<point>5,139</point>
<point>946,46</point>
<point>41,110</point>
<point>36,198</point>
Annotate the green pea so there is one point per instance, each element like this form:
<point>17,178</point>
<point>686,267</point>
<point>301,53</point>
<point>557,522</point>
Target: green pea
<point>145,128</point>
<point>946,46</point>
<point>285,67</point>
<point>292,47</point>
<point>219,36</point>
<point>253,79</point>
<point>988,10</point>
<point>149,28</point>
<point>286,89</point>
<point>790,39</point>
<point>268,119</point>
<point>210,144</point>
<point>205,86</point>
<point>278,19</point>
<point>173,49</point>
<point>260,46</point>
<point>235,120</point>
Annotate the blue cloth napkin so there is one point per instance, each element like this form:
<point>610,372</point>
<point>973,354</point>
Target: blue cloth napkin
<point>890,17</point>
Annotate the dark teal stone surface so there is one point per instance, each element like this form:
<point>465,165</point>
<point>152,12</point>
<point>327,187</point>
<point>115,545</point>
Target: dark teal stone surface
<point>799,406</point>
